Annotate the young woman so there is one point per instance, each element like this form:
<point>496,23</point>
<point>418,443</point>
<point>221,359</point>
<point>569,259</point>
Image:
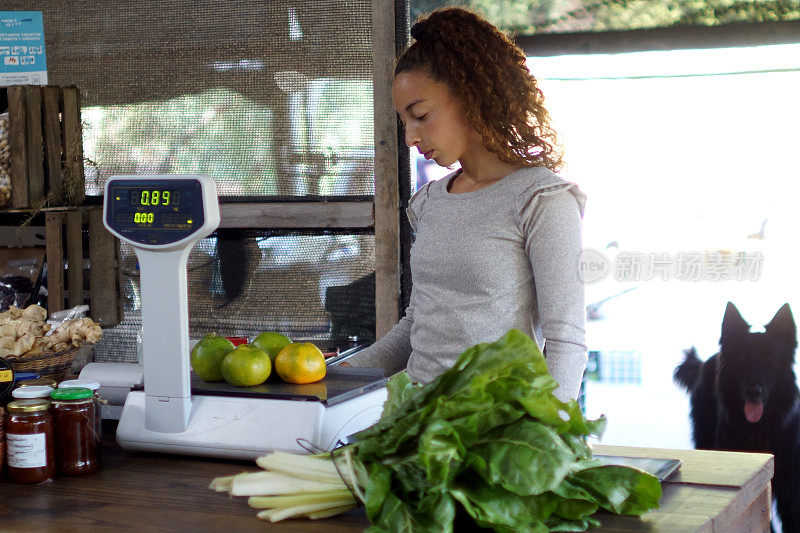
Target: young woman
<point>498,241</point>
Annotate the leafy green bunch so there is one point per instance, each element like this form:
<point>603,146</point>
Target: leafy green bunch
<point>488,443</point>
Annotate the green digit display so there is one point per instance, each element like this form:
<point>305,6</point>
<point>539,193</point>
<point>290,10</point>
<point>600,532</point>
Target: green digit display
<point>154,197</point>
<point>144,218</point>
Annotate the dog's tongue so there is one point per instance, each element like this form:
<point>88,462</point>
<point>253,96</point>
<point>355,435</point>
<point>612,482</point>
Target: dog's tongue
<point>753,411</point>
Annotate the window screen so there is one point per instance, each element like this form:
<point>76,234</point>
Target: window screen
<point>269,98</point>
<point>240,284</point>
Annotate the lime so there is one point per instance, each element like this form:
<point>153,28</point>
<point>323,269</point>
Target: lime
<point>246,366</point>
<point>272,343</point>
<point>300,362</point>
<point>207,356</point>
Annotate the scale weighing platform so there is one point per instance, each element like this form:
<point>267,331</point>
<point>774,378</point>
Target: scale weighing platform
<point>162,217</point>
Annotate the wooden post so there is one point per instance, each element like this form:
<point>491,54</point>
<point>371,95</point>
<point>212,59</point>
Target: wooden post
<point>55,262</point>
<point>73,147</point>
<point>75,257</point>
<point>387,195</point>
<point>20,196</point>
<point>52,142</point>
<point>103,271</point>
<point>33,123</point>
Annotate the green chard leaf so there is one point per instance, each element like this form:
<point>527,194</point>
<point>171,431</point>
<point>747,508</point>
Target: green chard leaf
<point>443,444</point>
<point>526,457</point>
<point>396,517</point>
<point>400,389</point>
<point>399,517</point>
<point>555,523</point>
<point>578,446</point>
<point>575,509</point>
<point>619,489</point>
<point>563,417</point>
<point>378,487</point>
<point>500,509</point>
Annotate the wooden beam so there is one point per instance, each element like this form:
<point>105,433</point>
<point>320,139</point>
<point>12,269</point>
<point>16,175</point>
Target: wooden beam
<point>653,39</point>
<point>17,140</point>
<point>105,292</point>
<point>297,215</point>
<point>54,223</point>
<point>33,134</point>
<point>52,142</point>
<point>73,146</point>
<point>387,191</point>
<point>74,257</point>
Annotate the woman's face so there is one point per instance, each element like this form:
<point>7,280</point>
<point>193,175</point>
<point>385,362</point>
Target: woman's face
<point>433,117</point>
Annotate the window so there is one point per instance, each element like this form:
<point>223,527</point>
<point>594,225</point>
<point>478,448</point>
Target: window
<point>682,152</point>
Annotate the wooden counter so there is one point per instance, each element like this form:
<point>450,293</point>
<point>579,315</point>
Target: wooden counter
<point>713,491</point>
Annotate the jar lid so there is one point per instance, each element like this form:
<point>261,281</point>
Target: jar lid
<point>71,383</point>
<point>28,406</point>
<point>72,393</point>
<point>41,382</point>
<point>32,391</point>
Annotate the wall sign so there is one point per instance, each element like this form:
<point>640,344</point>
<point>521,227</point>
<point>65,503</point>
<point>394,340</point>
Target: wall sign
<point>22,59</point>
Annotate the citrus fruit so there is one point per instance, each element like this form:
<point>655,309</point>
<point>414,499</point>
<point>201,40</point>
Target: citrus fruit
<point>272,343</point>
<point>207,356</point>
<point>246,366</point>
<point>300,362</point>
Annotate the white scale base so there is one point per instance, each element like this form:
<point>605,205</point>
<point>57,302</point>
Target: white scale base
<point>245,428</point>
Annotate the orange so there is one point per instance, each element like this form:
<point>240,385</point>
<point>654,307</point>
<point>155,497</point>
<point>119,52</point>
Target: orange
<point>246,366</point>
<point>207,356</point>
<point>272,343</point>
<point>300,362</point>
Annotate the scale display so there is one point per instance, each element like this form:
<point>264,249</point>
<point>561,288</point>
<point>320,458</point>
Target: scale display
<point>153,212</point>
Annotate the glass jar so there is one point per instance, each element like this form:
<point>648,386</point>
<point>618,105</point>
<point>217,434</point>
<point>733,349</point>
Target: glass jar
<point>29,441</point>
<point>36,391</point>
<point>75,434</point>
<point>94,386</point>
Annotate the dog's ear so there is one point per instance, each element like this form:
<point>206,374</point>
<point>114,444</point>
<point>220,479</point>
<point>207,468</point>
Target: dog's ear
<point>782,326</point>
<point>733,325</point>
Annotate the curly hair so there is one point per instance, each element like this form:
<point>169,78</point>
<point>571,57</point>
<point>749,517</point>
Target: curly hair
<point>488,73</point>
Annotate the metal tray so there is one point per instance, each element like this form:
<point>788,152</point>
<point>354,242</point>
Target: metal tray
<point>660,468</point>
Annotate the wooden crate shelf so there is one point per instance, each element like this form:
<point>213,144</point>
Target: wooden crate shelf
<point>83,264</point>
<point>45,141</point>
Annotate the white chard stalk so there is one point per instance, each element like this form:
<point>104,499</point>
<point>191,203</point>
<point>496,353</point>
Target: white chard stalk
<point>293,485</point>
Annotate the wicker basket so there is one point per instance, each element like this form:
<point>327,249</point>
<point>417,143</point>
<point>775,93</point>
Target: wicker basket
<point>49,365</point>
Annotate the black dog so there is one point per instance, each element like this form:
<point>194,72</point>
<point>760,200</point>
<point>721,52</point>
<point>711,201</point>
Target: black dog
<point>745,398</point>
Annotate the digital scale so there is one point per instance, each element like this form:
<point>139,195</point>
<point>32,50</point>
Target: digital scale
<point>162,217</point>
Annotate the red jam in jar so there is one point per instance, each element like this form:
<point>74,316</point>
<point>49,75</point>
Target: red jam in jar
<point>29,441</point>
<point>94,386</point>
<point>75,431</point>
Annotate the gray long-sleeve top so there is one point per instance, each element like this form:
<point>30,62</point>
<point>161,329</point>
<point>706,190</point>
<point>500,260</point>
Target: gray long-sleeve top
<point>483,262</point>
